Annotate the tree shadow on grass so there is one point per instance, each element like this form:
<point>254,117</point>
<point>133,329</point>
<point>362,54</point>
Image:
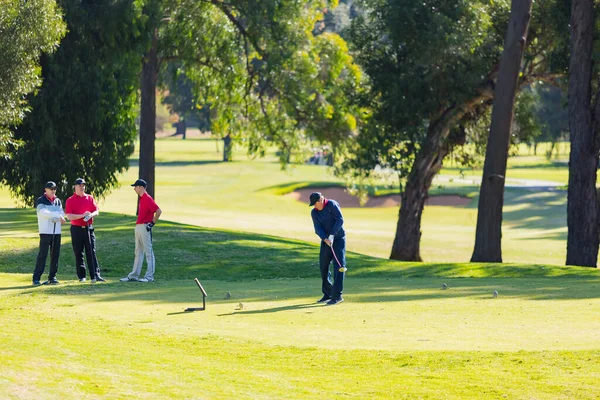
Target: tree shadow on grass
<point>178,163</point>
<point>185,252</point>
<point>17,221</point>
<point>262,296</point>
<point>542,210</point>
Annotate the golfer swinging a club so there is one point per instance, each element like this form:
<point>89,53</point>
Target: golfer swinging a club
<point>50,218</point>
<point>329,226</point>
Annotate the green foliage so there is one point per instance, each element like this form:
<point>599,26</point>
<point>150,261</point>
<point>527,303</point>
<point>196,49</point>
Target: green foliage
<point>82,123</point>
<point>268,78</point>
<point>424,58</point>
<point>526,129</point>
<point>551,113</point>
<point>420,57</point>
<point>27,29</point>
<point>180,98</point>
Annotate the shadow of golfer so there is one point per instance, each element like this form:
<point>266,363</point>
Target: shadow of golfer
<point>20,287</point>
<point>272,310</point>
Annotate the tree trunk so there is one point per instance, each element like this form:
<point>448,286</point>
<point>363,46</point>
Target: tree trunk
<point>582,208</point>
<point>181,128</point>
<point>488,237</point>
<point>407,243</point>
<point>406,246</point>
<point>148,115</point>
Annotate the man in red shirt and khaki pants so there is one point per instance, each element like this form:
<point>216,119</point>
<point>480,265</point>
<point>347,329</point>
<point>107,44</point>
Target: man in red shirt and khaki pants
<point>148,214</point>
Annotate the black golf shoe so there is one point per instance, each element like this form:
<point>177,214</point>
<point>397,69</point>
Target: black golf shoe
<point>52,281</point>
<point>333,302</point>
<point>324,299</point>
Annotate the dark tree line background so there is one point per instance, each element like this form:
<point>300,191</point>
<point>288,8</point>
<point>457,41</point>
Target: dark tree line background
<point>392,84</point>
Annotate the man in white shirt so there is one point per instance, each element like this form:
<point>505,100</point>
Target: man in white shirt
<point>50,216</point>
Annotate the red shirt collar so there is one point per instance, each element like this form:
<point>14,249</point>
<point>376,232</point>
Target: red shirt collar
<point>325,201</point>
<point>50,198</point>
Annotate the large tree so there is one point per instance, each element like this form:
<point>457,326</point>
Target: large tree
<point>433,68</point>
<point>27,29</point>
<point>263,67</point>
<point>582,206</point>
<point>82,119</point>
<point>488,236</point>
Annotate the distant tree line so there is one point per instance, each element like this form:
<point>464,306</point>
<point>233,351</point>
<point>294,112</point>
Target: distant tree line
<point>398,85</point>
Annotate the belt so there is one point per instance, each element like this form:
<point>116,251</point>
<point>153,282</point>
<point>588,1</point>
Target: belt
<point>82,227</point>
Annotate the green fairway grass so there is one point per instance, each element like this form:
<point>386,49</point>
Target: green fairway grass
<point>399,333</point>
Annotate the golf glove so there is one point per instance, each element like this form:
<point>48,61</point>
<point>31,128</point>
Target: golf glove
<point>86,218</point>
<point>331,239</point>
<point>149,226</point>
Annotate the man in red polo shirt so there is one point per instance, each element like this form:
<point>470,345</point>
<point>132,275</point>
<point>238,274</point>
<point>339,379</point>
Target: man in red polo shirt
<point>148,214</point>
<point>81,208</point>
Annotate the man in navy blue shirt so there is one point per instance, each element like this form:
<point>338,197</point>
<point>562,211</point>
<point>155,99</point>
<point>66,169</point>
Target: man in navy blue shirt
<point>329,226</point>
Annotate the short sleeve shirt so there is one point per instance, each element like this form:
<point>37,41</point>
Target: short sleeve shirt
<point>146,210</point>
<point>79,205</point>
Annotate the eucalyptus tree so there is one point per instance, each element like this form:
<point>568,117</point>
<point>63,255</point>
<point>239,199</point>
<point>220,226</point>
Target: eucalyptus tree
<point>82,120</point>
<point>269,76</point>
<point>433,68</point>
<point>584,113</point>
<point>27,30</point>
<point>488,236</point>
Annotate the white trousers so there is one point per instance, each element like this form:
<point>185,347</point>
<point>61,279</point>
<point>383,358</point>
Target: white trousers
<point>143,245</point>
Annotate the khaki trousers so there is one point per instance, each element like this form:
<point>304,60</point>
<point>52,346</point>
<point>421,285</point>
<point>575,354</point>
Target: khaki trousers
<point>143,245</point>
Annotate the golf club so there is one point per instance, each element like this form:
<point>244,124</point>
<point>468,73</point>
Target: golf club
<point>52,244</point>
<point>341,268</point>
<point>94,259</point>
<point>51,251</point>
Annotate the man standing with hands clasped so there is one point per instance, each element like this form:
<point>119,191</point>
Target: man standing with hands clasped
<point>50,216</point>
<point>148,215</point>
<point>329,226</point>
<point>81,208</point>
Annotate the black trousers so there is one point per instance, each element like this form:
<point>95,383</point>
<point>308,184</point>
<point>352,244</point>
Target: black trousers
<point>82,239</point>
<point>47,242</point>
<point>325,259</point>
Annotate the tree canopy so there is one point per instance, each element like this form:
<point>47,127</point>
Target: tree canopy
<point>27,29</point>
<point>270,76</point>
<point>432,68</point>
<point>82,118</point>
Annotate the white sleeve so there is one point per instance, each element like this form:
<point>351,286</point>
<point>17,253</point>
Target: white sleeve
<point>43,212</point>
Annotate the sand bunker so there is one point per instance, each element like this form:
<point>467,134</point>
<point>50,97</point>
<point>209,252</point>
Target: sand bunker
<point>392,200</point>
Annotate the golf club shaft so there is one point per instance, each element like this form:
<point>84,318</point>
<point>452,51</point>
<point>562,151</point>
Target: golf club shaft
<point>52,246</point>
<point>341,267</point>
<point>94,259</point>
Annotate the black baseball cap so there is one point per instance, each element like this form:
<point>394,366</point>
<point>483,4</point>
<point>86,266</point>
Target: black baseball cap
<point>314,197</point>
<point>50,185</point>
<point>140,182</point>
<point>79,181</point>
